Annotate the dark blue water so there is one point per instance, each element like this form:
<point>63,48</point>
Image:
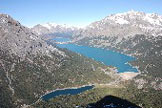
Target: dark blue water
<point>66,92</point>
<point>108,57</point>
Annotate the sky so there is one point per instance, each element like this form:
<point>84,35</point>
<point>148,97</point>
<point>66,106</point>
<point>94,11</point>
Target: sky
<point>73,12</point>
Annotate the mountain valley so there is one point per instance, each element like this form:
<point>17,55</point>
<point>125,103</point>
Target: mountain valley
<point>31,63</point>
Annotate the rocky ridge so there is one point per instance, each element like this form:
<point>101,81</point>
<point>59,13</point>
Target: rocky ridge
<point>126,24</point>
<point>19,40</point>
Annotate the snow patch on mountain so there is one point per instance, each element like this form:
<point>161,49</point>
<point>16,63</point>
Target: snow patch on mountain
<point>153,19</point>
<point>54,25</point>
<point>124,25</point>
<point>49,25</point>
<point>121,21</point>
<point>55,29</point>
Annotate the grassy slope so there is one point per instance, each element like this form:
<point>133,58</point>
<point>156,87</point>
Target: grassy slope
<point>32,78</point>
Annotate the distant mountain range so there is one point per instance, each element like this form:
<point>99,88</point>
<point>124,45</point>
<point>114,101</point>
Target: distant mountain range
<point>52,29</point>
<point>122,25</point>
<point>126,24</point>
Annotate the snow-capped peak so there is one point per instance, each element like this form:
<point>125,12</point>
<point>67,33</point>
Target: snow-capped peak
<point>133,12</point>
<point>154,19</point>
<point>49,25</point>
<point>51,28</point>
<point>128,23</point>
<point>135,17</point>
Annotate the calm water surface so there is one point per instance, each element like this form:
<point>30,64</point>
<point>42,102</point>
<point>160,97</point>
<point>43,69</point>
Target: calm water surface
<point>70,91</point>
<point>108,57</point>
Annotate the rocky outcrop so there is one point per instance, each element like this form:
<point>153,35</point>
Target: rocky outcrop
<point>19,40</point>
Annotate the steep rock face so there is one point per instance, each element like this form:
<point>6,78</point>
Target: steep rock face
<point>19,40</point>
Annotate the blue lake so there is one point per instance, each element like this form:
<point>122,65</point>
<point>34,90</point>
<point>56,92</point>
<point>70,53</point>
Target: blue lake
<point>108,57</point>
<point>70,91</point>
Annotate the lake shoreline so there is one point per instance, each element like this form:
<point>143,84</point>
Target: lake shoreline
<point>107,57</point>
<point>48,92</point>
<point>128,75</point>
